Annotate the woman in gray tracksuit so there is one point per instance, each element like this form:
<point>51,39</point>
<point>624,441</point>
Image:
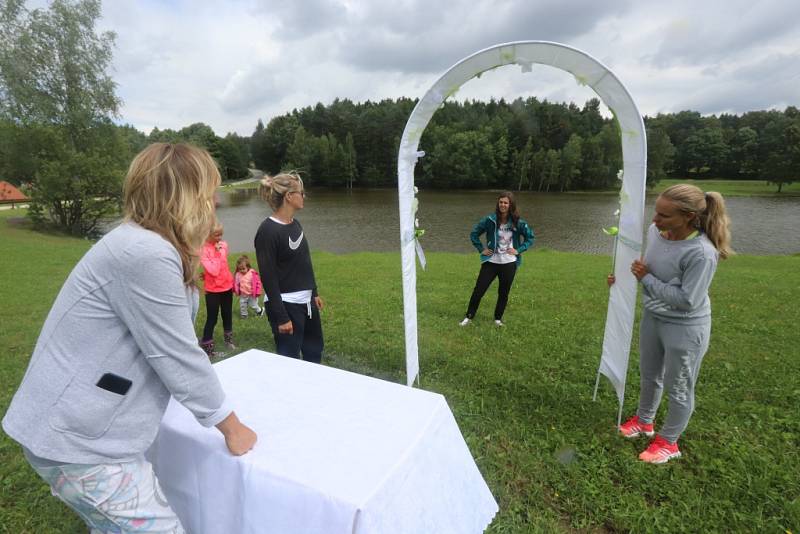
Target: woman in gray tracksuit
<point>690,232</point>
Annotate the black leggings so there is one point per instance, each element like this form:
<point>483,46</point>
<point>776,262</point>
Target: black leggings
<point>306,336</point>
<point>489,271</point>
<point>216,303</point>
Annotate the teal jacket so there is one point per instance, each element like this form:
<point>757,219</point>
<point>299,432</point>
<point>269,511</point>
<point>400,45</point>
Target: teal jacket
<point>522,236</point>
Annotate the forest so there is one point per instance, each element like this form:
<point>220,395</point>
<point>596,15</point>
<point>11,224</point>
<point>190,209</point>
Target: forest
<point>525,144</point>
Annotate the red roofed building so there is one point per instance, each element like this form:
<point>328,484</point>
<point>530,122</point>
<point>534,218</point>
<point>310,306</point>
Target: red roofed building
<point>10,194</point>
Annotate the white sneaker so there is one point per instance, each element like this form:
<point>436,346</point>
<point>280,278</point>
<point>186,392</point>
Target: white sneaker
<point>465,322</point>
<point>498,322</point>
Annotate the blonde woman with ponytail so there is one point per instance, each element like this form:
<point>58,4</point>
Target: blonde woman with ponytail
<point>117,343</point>
<point>284,261</point>
<point>689,234</point>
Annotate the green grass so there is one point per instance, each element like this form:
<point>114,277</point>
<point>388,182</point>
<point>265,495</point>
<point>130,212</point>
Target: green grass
<point>521,394</point>
<point>247,185</point>
<point>736,188</point>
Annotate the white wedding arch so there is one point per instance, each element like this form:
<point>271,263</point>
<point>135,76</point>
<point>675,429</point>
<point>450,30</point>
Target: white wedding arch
<point>628,243</point>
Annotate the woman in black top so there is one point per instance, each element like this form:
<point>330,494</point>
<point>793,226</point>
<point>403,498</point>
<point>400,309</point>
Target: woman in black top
<point>284,261</point>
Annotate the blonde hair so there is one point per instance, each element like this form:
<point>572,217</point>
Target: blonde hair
<point>274,188</point>
<point>216,227</point>
<point>710,214</point>
<point>169,189</point>
<point>243,260</point>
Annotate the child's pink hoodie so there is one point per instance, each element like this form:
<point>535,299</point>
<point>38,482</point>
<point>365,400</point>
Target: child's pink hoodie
<point>255,283</point>
<point>217,277</point>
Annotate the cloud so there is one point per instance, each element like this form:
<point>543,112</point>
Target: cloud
<point>415,37</point>
<point>184,61</point>
<point>176,64</point>
<point>713,35</point>
<point>771,82</point>
<point>248,89</point>
<point>296,20</point>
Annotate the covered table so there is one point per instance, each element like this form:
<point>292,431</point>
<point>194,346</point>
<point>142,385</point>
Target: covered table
<point>337,452</point>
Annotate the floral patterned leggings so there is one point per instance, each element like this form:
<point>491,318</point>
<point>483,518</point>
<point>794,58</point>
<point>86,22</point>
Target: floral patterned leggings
<point>113,498</point>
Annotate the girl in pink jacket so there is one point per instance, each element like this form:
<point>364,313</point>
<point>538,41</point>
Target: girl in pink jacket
<point>247,284</point>
<point>218,282</point>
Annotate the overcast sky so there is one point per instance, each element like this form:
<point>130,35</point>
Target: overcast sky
<point>229,63</point>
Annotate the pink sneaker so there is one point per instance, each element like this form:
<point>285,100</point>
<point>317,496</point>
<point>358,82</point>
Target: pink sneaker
<point>660,451</point>
<point>633,427</point>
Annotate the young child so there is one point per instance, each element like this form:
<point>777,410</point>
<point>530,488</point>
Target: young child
<point>247,284</point>
<point>218,282</point>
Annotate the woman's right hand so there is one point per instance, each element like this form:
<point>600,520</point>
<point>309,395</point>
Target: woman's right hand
<point>286,328</point>
<point>611,279</point>
<point>486,252</point>
<point>239,438</point>
<point>639,269</point>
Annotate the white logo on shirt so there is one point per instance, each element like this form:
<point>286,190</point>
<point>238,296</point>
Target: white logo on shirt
<point>294,245</point>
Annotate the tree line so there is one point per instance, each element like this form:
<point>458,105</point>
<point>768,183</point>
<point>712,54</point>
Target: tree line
<point>59,137</point>
<point>526,144</point>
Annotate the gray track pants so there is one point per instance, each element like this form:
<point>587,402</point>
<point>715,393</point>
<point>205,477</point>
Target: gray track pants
<point>245,301</point>
<point>670,355</point>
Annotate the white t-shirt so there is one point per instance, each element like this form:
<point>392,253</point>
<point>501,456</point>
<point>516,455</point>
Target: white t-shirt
<point>504,242</point>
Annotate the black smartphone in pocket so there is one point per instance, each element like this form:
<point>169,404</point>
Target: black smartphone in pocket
<point>114,383</point>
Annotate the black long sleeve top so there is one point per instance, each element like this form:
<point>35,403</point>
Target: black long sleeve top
<point>284,263</point>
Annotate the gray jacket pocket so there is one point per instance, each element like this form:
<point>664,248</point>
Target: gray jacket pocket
<point>85,410</point>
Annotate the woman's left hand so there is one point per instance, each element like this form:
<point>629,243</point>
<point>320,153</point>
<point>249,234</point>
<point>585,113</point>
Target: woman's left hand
<point>639,269</point>
<point>318,301</point>
<point>512,251</point>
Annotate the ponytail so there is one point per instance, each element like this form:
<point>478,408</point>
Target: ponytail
<point>715,223</point>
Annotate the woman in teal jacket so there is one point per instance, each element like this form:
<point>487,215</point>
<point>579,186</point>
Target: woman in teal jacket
<point>507,237</point>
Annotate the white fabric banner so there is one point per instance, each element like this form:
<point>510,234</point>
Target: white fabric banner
<point>587,71</point>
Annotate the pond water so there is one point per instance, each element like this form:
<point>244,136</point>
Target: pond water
<point>367,220</point>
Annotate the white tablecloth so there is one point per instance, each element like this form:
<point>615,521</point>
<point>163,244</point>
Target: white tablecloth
<point>337,452</point>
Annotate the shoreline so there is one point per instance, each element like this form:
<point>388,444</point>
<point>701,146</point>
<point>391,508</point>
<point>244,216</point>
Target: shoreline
<point>728,188</point>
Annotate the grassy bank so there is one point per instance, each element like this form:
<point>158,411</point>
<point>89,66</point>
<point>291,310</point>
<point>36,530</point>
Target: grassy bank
<point>521,394</point>
<point>245,185</point>
<point>736,188</point>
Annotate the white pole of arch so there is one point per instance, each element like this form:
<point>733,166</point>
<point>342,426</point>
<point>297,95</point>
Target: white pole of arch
<point>628,245</point>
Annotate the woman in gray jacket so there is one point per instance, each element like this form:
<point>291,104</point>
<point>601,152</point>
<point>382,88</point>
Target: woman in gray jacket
<point>117,343</point>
